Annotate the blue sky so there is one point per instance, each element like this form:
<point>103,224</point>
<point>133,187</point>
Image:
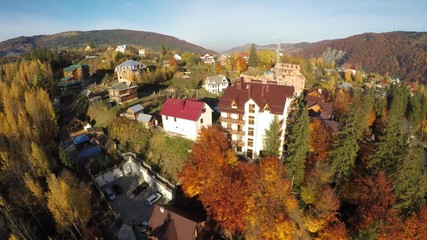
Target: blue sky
<point>216,24</point>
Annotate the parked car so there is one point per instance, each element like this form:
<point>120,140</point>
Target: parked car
<point>153,198</point>
<point>109,194</point>
<point>117,189</point>
<point>140,188</point>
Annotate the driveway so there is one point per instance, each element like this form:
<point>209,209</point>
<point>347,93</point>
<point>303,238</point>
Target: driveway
<point>132,209</point>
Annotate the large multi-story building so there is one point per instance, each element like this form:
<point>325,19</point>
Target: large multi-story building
<point>129,70</point>
<point>283,74</point>
<point>247,110</point>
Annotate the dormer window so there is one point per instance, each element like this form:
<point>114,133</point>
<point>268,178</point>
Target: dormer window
<point>234,104</point>
<point>266,107</point>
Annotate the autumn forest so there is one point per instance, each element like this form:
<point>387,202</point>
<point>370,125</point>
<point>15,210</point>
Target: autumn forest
<point>365,179</point>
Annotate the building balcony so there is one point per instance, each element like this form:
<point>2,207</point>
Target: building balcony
<point>238,143</point>
<point>231,120</point>
<point>235,132</point>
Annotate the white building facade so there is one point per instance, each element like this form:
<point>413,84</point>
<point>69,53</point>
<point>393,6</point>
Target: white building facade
<point>216,84</point>
<point>185,117</point>
<point>248,109</point>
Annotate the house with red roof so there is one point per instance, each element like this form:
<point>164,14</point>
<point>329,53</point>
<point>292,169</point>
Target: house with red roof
<point>185,117</point>
<point>247,111</point>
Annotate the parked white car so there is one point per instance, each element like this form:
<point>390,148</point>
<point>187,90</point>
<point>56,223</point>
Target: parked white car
<point>153,198</point>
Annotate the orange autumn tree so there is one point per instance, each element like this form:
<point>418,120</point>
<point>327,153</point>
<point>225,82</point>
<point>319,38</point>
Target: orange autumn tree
<point>341,102</point>
<point>321,205</point>
<point>373,197</point>
<point>320,141</point>
<point>271,208</point>
<point>412,228</point>
<point>212,173</point>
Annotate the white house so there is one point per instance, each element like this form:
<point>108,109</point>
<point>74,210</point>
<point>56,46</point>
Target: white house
<point>247,110</point>
<point>177,57</point>
<point>216,84</point>
<point>185,117</point>
<point>208,59</point>
<point>121,48</point>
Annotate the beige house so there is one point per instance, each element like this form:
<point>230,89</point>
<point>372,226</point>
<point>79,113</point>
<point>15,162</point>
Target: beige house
<point>282,74</point>
<point>129,70</point>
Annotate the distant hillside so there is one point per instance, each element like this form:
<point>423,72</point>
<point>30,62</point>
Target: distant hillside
<point>99,38</point>
<point>287,47</point>
<point>401,54</point>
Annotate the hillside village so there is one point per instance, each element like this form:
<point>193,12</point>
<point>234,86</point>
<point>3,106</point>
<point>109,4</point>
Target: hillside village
<point>132,123</point>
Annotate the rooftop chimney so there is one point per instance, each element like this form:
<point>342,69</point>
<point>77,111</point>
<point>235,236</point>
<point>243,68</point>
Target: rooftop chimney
<point>249,87</point>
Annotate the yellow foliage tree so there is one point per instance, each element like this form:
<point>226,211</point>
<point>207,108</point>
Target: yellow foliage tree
<point>38,160</point>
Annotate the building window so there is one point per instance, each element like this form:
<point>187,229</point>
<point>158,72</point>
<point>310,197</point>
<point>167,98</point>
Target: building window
<point>250,142</point>
<point>252,108</point>
<point>251,120</point>
<point>266,107</point>
<point>174,119</point>
<point>201,120</point>
<point>229,125</point>
<point>249,153</point>
<point>239,149</point>
<point>167,118</point>
<point>250,131</point>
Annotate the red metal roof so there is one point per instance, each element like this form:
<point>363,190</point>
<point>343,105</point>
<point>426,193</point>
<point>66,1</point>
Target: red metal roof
<point>241,92</point>
<point>182,108</point>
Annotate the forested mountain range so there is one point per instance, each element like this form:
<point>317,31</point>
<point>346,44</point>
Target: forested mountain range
<point>400,54</point>
<point>152,40</point>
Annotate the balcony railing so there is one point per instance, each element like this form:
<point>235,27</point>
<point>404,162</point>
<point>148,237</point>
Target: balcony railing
<point>235,132</point>
<point>231,120</point>
<point>238,143</point>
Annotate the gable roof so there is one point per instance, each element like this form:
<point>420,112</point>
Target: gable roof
<point>215,79</point>
<point>129,65</point>
<point>182,108</point>
<point>121,86</point>
<point>145,118</point>
<point>74,67</point>
<point>172,223</point>
<point>241,92</point>
<point>136,108</point>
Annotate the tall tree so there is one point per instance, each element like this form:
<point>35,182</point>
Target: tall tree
<point>212,153</point>
<point>271,207</point>
<point>272,139</point>
<point>391,143</point>
<point>355,124</point>
<point>410,185</point>
<point>39,160</point>
<point>320,141</point>
<point>297,147</point>
<point>253,57</point>
<point>373,197</point>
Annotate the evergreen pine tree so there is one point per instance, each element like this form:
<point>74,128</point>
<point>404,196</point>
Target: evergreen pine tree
<point>345,148</point>
<point>297,148</point>
<point>410,185</point>
<point>253,57</point>
<point>272,139</point>
<point>391,144</point>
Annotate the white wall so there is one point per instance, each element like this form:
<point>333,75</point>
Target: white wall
<point>188,128</point>
<point>180,126</point>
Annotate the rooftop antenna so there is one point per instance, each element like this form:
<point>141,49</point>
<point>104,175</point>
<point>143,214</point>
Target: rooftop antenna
<point>278,52</point>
